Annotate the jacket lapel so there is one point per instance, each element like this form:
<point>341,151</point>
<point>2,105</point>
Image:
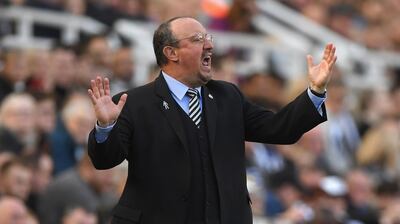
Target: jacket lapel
<point>169,109</point>
<point>211,114</point>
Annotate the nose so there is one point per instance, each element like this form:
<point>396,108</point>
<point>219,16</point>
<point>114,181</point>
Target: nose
<point>208,45</point>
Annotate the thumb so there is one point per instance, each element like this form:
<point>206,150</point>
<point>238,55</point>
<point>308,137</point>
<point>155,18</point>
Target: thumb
<point>122,101</point>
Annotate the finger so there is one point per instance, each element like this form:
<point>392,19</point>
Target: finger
<point>122,101</point>
<point>99,83</point>
<point>92,97</point>
<point>107,86</point>
<point>95,90</point>
<point>332,63</point>
<point>332,54</point>
<point>327,51</point>
<point>309,61</point>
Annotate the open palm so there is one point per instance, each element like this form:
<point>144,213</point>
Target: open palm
<point>105,109</point>
<point>320,74</point>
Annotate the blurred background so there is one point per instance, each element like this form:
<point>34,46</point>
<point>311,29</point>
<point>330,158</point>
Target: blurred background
<point>346,170</point>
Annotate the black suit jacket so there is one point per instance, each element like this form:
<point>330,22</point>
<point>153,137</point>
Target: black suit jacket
<point>150,135</point>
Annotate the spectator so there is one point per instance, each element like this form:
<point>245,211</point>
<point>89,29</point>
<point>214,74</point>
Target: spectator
<point>45,121</point>
<point>342,18</point>
<point>379,148</point>
<point>41,79</point>
<point>361,197</point>
<point>122,71</point>
<point>16,176</point>
<point>341,137</point>
<point>83,186</point>
<point>99,54</point>
<point>69,139</point>
<point>41,176</point>
<point>85,70</point>
<point>17,119</point>
<point>14,73</point>
<point>64,70</point>
<point>372,12</point>
<point>283,194</point>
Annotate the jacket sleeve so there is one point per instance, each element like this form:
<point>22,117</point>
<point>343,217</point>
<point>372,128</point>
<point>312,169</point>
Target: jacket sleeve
<point>284,127</point>
<point>115,149</point>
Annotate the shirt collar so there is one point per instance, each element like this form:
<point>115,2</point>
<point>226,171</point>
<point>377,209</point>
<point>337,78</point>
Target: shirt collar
<point>177,88</point>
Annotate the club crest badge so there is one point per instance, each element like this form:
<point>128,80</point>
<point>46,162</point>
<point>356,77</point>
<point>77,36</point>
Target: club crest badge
<point>165,105</point>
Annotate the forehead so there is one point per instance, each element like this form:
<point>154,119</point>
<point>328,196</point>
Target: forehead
<point>18,169</point>
<point>184,27</point>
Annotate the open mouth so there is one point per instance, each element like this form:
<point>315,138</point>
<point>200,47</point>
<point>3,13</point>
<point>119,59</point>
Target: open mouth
<point>207,60</point>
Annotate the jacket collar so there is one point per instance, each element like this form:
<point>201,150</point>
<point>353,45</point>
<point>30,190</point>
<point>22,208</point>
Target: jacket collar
<point>170,110</point>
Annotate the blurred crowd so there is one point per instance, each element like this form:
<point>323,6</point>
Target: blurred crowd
<point>372,23</point>
<point>346,170</point>
<point>219,14</point>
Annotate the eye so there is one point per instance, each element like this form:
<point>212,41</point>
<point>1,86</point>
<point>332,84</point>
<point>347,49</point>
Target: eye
<point>198,38</point>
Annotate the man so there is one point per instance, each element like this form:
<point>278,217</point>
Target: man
<point>17,124</point>
<point>183,134</point>
<point>68,140</point>
<point>123,73</point>
<point>14,73</point>
<point>80,187</point>
<point>16,178</point>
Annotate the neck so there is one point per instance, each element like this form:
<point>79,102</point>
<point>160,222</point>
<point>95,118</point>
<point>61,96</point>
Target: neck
<point>180,76</point>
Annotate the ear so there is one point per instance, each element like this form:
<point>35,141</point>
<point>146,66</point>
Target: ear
<point>171,53</point>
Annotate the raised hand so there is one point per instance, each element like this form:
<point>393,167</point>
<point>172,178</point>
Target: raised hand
<point>105,109</point>
<point>320,74</point>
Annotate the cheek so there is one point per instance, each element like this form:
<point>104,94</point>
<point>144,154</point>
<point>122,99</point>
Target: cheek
<point>192,56</point>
